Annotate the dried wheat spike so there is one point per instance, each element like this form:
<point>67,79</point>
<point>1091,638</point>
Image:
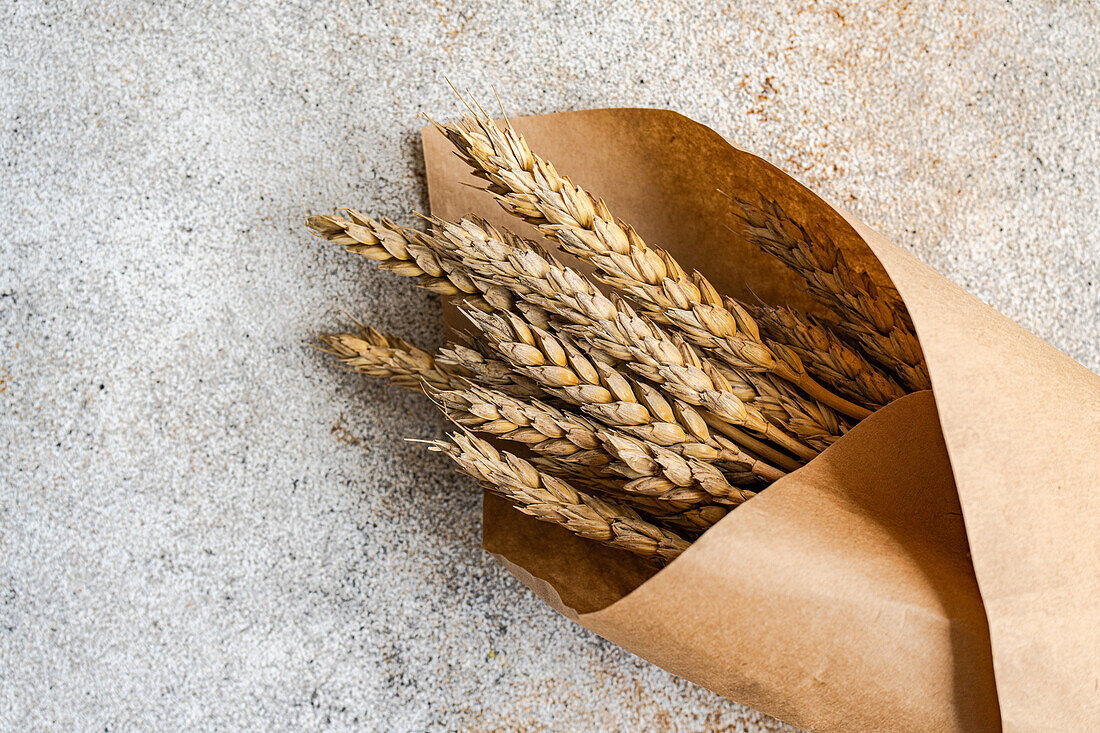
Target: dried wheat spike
<point>608,397</point>
<point>549,499</point>
<point>399,250</point>
<point>816,425</point>
<point>594,482</point>
<point>539,426</point>
<point>570,438</point>
<point>614,328</point>
<point>535,424</point>
<point>380,354</point>
<point>500,265</point>
<point>531,188</point>
<point>693,522</point>
<point>488,372</point>
<point>827,356</point>
<point>872,315</point>
<point>377,353</point>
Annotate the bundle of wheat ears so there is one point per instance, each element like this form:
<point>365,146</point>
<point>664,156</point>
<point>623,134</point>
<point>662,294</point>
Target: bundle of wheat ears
<point>637,406</point>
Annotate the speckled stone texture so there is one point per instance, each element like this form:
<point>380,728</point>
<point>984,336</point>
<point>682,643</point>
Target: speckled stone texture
<point>203,525</point>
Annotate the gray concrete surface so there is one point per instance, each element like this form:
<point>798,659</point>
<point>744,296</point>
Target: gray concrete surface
<point>205,526</point>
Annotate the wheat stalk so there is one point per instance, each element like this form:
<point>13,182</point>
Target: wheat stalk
<point>827,356</point>
<point>550,499</point>
<point>530,187</point>
<point>872,315</point>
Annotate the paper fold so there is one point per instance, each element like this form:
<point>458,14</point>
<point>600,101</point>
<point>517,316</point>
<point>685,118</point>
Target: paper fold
<point>844,596</point>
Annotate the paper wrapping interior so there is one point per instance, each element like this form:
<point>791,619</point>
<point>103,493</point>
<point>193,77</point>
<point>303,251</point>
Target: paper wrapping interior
<point>938,568</point>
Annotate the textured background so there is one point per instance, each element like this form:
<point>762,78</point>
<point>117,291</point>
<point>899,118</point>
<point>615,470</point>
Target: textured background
<point>202,524</point>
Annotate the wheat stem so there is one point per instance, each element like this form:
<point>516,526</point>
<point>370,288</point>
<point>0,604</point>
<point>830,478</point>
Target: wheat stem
<point>693,521</point>
<point>763,450</point>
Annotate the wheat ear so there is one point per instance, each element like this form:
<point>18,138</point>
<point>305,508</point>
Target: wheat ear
<point>595,482</point>
<point>486,371</point>
<point>814,424</point>
<point>611,326</point>
<point>827,356</point>
<point>471,255</point>
<point>549,499</point>
<point>605,395</point>
<point>693,522</point>
<point>379,354</point>
<point>648,469</point>
<point>401,250</point>
<point>872,315</point>
<point>531,188</point>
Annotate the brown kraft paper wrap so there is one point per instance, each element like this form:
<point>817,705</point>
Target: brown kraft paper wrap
<point>938,568</point>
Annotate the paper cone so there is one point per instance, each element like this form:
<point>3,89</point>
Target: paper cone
<point>938,568</point>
